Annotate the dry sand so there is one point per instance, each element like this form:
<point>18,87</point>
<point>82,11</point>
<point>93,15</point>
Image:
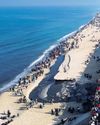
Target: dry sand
<point>78,56</point>
<point>35,115</point>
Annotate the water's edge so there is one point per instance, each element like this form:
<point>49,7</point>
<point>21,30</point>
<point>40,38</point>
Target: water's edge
<point>42,57</point>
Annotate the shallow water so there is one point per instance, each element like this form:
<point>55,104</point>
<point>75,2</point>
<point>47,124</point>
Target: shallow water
<point>25,33</point>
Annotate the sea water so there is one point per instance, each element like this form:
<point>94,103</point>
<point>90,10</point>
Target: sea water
<point>26,32</point>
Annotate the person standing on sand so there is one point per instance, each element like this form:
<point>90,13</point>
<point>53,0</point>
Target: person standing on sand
<point>8,113</point>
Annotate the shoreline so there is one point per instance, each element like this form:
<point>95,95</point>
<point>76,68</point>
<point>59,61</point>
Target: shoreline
<point>18,96</point>
<point>42,57</point>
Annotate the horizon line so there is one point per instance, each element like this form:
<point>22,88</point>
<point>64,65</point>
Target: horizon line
<point>48,5</point>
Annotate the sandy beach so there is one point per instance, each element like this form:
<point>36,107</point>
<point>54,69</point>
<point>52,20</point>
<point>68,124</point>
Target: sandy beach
<point>79,56</point>
<point>80,65</point>
<point>9,101</point>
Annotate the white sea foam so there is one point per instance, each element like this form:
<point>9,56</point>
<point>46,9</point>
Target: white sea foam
<point>66,36</point>
<point>72,33</point>
<point>14,81</point>
<point>81,27</point>
<point>27,70</point>
<point>45,54</point>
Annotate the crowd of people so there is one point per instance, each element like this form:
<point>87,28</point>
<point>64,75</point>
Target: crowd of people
<point>7,117</point>
<point>38,70</point>
<point>95,112</point>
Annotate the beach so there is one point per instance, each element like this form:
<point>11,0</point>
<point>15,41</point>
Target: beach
<point>79,56</point>
<point>57,86</point>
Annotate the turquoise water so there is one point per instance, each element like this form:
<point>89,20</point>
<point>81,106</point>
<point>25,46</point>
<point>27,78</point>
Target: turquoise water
<point>25,33</point>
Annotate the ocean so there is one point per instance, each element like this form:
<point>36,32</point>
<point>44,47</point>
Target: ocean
<point>26,32</point>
